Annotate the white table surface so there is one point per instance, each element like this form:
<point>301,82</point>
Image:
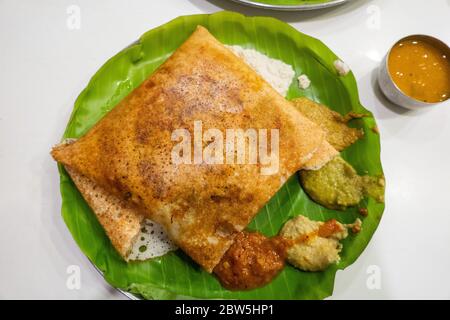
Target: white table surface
<point>44,65</point>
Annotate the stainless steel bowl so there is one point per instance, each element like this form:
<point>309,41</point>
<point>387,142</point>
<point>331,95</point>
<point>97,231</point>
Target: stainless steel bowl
<point>298,7</point>
<point>391,90</point>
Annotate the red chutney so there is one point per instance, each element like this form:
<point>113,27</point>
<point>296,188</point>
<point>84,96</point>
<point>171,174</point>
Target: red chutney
<point>329,228</point>
<point>251,262</point>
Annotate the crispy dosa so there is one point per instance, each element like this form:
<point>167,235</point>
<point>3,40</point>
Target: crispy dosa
<point>134,236</point>
<point>202,206</point>
<point>121,221</point>
<point>322,156</point>
<point>338,133</point>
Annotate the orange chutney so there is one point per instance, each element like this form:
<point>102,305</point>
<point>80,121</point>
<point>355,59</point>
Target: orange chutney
<point>420,70</point>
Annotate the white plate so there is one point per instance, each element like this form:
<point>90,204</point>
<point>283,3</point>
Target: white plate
<point>299,7</point>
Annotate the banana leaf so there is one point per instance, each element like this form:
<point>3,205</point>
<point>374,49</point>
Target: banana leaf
<point>174,275</point>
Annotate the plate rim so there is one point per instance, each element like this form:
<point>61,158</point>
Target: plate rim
<point>299,7</point>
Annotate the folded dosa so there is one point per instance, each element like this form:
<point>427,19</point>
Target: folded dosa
<point>338,133</point>
<point>325,153</point>
<point>121,221</point>
<point>202,206</point>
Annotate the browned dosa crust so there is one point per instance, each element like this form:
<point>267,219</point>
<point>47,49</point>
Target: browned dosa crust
<point>202,207</point>
<point>121,221</point>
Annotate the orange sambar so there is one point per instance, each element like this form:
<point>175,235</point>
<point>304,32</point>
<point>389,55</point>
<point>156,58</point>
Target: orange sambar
<point>420,70</point>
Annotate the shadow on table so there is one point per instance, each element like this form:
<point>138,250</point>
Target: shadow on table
<point>288,16</point>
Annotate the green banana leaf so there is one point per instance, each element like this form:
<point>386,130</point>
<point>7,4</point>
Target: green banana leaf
<point>175,275</point>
